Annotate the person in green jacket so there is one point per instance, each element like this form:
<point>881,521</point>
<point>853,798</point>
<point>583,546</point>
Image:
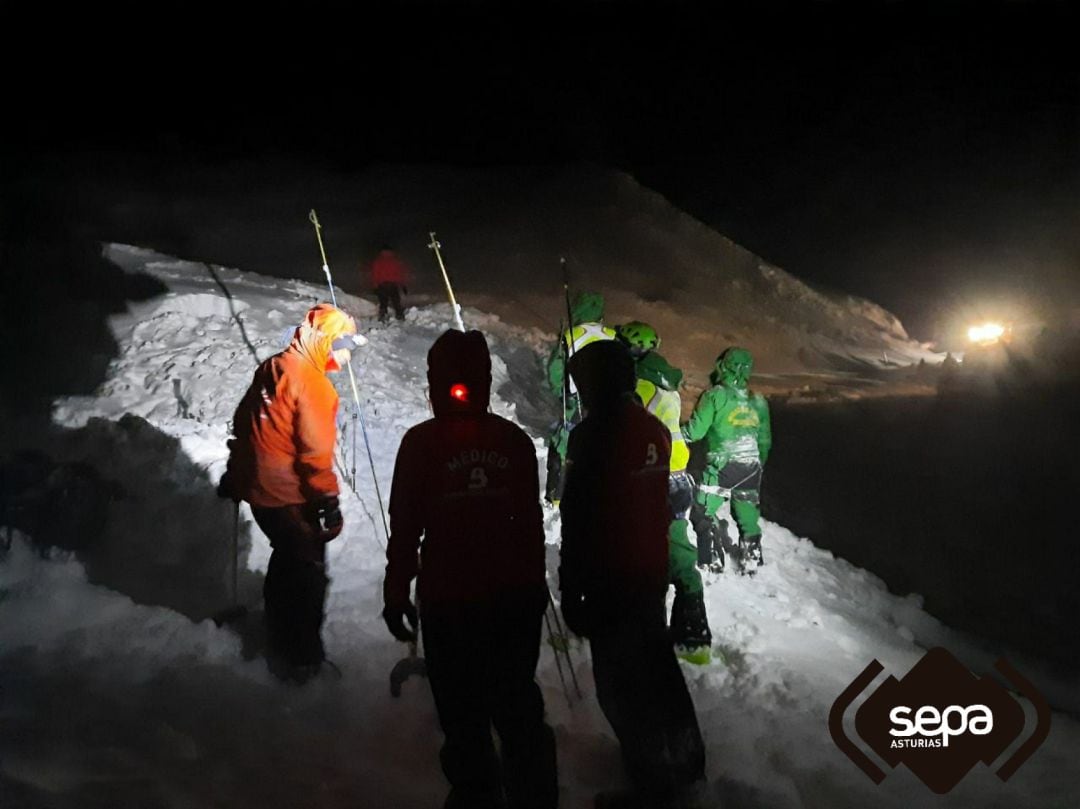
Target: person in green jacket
<point>735,425</point>
<point>658,389</point>
<point>587,313</point>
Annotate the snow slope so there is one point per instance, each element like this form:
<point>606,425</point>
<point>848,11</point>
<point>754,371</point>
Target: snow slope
<point>503,232</point>
<point>117,690</point>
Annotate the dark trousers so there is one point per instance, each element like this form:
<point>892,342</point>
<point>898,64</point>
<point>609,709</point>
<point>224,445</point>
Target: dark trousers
<point>481,663</point>
<point>643,695</point>
<point>294,591</point>
<point>389,294</point>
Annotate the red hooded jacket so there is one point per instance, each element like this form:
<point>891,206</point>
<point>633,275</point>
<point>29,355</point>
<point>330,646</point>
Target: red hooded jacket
<point>387,268</point>
<point>466,482</point>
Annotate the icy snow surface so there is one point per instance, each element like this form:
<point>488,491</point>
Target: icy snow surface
<point>114,696</point>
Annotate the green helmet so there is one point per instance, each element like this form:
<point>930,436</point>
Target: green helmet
<point>588,308</point>
<point>640,338</point>
<point>734,366</point>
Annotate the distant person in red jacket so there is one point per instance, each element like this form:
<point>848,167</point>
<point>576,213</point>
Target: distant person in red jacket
<point>466,481</point>
<point>390,279</point>
<point>613,577</point>
<point>281,462</point>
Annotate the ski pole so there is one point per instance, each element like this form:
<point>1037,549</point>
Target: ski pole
<point>568,335</point>
<point>353,436</point>
<point>435,245</point>
<point>314,219</point>
<point>558,660</point>
<point>566,639</point>
<point>236,555</point>
<point>235,611</point>
<point>352,379</point>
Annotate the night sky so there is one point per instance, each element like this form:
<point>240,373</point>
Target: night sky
<point>925,155</point>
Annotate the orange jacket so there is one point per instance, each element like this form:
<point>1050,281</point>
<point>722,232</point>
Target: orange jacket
<point>285,426</point>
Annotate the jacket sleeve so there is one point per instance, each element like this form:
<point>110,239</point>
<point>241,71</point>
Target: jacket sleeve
<point>556,369</point>
<point>406,521</point>
<point>761,404</point>
<point>315,436</point>
<point>702,417</point>
<point>577,504</point>
<point>528,515</point>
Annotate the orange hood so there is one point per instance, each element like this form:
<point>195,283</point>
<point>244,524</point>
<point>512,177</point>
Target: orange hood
<point>313,338</point>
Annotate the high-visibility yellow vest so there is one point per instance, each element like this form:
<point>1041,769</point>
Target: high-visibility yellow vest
<point>666,406</point>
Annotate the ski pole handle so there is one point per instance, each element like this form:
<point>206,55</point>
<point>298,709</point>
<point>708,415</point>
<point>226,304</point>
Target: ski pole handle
<point>314,219</point>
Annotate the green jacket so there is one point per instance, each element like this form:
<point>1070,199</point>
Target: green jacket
<point>734,424</point>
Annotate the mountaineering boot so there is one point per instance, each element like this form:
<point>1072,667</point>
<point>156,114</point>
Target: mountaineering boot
<point>690,628</point>
<point>750,556</point>
<point>723,538</point>
<point>710,550</point>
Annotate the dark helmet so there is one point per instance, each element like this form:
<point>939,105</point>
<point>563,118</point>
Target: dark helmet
<point>654,368</point>
<point>459,373</point>
<point>603,371</point>
<point>734,366</point>
<point>640,338</point>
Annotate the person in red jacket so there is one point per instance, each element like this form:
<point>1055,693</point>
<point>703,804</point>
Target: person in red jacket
<point>466,482</point>
<point>613,576</point>
<point>389,279</point>
<point>281,462</point>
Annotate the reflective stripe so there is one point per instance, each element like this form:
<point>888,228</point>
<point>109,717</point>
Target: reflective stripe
<point>583,335</point>
<point>587,333</point>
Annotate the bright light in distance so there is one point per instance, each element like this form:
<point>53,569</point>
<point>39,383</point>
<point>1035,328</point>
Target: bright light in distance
<point>459,392</point>
<point>986,333</point>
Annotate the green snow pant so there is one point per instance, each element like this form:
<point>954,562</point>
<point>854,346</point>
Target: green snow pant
<point>682,555</point>
<point>744,483</point>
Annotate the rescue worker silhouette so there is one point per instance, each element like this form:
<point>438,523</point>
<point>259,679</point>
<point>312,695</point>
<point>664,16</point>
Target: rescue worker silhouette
<point>281,462</point>
<point>587,313</point>
<point>466,522</point>
<point>613,575</point>
<point>390,278</point>
<point>658,389</point>
<point>735,425</point>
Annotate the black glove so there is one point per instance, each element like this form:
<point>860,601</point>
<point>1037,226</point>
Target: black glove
<point>329,519</point>
<point>575,614</point>
<point>226,489</point>
<point>395,621</point>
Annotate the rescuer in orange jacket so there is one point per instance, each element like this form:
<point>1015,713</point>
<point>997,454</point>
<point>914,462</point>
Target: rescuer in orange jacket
<point>281,462</point>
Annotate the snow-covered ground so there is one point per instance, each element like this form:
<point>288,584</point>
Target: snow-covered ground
<point>121,692</point>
